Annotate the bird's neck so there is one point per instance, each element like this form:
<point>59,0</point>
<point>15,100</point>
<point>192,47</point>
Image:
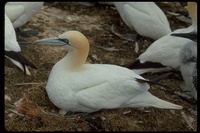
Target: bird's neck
<point>75,59</point>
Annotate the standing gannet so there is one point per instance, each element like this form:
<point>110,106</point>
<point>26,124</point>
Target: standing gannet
<point>163,54</point>
<point>79,87</point>
<point>12,48</point>
<point>146,18</point>
<point>188,63</point>
<point>20,12</point>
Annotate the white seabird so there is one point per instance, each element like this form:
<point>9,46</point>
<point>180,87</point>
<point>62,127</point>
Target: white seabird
<point>146,18</point>
<point>12,48</point>
<point>188,63</point>
<point>164,52</point>
<point>79,87</point>
<point>20,12</point>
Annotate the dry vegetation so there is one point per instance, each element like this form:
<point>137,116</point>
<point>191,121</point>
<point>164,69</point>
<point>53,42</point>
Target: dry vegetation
<point>37,113</point>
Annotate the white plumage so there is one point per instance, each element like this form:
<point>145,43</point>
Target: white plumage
<point>166,49</point>
<point>188,64</point>
<point>75,86</point>
<point>12,47</point>
<point>10,37</point>
<point>189,69</point>
<point>146,18</point>
<point>20,12</point>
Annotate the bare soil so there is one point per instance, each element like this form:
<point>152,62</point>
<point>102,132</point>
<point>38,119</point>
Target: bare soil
<point>37,113</point>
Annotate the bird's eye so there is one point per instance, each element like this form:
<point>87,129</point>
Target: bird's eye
<point>64,40</point>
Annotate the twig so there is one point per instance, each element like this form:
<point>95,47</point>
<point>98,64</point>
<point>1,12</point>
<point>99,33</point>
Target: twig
<point>119,35</point>
<point>158,78</point>
<point>49,113</point>
<point>187,120</point>
<point>90,124</point>
<point>10,105</point>
<point>14,111</point>
<point>108,49</point>
<point>29,84</point>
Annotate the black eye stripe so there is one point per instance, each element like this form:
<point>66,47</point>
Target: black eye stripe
<point>64,40</point>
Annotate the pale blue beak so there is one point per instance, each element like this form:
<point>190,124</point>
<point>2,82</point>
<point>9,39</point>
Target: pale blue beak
<point>53,41</point>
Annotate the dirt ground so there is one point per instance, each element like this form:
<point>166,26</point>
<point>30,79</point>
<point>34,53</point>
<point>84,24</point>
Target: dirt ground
<point>37,113</point>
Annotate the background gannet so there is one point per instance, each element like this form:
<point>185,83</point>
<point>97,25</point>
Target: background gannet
<point>20,12</point>
<point>188,63</point>
<point>78,87</point>
<point>146,18</point>
<point>165,51</point>
<point>12,48</point>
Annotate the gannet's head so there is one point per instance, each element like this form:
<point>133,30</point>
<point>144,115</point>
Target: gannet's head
<point>72,40</point>
<point>76,44</point>
<point>192,10</point>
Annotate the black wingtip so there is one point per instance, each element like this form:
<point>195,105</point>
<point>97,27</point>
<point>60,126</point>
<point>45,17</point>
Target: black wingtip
<point>18,57</point>
<point>192,35</point>
<point>137,65</point>
<point>151,82</point>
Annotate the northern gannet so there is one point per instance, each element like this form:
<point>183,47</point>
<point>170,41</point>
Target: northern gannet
<point>146,18</point>
<point>20,12</point>
<point>12,48</point>
<point>188,63</point>
<point>165,51</point>
<point>79,87</point>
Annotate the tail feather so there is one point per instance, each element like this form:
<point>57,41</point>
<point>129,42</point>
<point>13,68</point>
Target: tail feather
<point>146,99</point>
<point>137,65</point>
<point>192,35</point>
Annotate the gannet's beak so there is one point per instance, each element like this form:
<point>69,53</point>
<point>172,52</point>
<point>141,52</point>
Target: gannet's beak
<point>192,35</point>
<point>53,41</point>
